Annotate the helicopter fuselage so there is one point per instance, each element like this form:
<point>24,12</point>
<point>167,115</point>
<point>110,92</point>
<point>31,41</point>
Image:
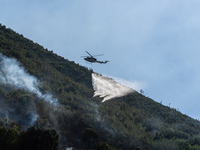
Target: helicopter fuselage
<point>90,59</point>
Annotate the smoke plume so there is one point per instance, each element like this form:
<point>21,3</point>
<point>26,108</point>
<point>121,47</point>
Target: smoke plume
<point>12,74</point>
<point>108,88</point>
<point>13,77</point>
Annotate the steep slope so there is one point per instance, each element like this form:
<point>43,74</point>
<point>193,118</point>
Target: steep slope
<point>81,120</point>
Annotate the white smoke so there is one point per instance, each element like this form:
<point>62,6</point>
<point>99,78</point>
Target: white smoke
<point>12,77</point>
<point>69,148</point>
<point>11,73</point>
<point>108,88</point>
<point>34,117</point>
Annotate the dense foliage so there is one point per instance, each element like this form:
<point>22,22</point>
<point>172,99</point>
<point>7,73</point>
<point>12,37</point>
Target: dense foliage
<point>82,121</point>
<point>35,138</point>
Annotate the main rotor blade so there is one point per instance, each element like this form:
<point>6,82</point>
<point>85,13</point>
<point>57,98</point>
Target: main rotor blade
<point>93,55</point>
<point>89,53</point>
<point>84,56</point>
<point>98,55</point>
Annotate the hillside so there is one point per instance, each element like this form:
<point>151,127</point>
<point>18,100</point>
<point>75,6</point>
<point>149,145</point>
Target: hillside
<point>76,118</point>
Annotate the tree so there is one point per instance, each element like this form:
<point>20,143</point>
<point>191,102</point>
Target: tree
<point>40,139</point>
<point>90,136</point>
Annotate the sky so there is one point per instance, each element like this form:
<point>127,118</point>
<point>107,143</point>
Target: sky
<point>154,43</point>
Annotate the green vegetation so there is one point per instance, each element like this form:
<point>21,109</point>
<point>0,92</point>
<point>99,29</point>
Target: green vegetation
<point>81,121</point>
<point>35,138</point>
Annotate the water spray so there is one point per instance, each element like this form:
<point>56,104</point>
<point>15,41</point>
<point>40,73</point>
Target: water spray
<point>107,88</point>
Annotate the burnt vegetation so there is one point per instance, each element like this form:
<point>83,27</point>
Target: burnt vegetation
<point>81,121</point>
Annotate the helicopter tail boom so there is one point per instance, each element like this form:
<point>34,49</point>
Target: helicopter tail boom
<point>102,62</point>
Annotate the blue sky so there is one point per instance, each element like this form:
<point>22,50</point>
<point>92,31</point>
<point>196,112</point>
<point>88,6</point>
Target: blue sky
<point>155,43</point>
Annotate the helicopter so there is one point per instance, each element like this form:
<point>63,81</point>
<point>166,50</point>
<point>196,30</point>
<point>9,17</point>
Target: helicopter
<point>92,59</point>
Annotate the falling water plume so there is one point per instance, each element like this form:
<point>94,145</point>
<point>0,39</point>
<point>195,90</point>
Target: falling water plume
<point>107,88</point>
